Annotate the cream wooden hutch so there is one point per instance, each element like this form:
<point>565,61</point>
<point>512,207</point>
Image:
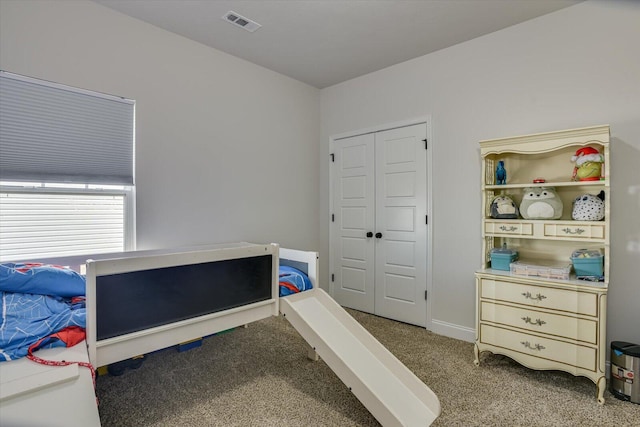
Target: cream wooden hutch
<point>542,322</point>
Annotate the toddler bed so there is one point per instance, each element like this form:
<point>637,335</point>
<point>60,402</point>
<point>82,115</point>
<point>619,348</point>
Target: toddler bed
<point>141,301</point>
<point>136,303</point>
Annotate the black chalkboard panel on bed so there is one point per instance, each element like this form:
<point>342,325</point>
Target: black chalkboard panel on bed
<point>139,300</point>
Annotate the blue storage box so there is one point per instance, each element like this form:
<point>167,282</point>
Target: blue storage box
<point>588,264</point>
<point>502,257</point>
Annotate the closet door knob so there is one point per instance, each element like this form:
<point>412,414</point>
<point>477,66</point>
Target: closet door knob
<point>378,235</point>
<point>369,234</point>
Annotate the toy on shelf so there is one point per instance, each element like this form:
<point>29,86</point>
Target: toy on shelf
<point>588,207</point>
<point>503,207</point>
<point>588,166</point>
<point>541,203</point>
<point>588,264</point>
<point>501,173</point>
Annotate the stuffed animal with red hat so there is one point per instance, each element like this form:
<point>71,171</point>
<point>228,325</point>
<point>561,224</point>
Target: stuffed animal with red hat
<point>588,166</point>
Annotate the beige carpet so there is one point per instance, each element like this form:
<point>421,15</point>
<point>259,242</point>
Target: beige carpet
<point>260,376</point>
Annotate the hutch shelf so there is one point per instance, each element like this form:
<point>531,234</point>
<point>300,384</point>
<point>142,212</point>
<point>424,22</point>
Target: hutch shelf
<point>544,321</point>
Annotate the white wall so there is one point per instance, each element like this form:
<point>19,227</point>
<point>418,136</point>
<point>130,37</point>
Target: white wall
<point>211,128</point>
<point>576,67</point>
<point>225,150</point>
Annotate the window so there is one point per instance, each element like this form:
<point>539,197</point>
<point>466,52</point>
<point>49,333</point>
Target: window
<point>66,170</point>
<point>49,222</point>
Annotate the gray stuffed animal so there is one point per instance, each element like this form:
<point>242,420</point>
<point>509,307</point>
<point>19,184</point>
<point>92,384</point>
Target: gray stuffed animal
<point>503,207</point>
<point>540,203</point>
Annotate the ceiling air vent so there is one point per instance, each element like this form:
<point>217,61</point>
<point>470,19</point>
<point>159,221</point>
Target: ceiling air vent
<point>241,21</point>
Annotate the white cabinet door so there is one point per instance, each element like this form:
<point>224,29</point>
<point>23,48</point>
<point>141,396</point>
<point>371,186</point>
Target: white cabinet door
<point>379,186</point>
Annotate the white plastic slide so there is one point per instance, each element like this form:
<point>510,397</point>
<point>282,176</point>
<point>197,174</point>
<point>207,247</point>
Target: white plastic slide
<point>386,387</point>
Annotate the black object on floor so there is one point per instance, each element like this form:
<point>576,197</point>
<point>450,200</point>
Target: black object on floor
<point>118,368</point>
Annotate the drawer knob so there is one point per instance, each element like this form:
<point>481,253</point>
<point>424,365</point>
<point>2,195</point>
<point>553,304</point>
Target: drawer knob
<point>512,228</point>
<point>536,347</point>
<point>538,297</point>
<point>533,322</point>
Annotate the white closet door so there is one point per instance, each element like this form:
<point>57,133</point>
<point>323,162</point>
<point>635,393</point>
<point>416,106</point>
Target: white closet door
<point>401,208</point>
<point>379,186</point>
<point>353,209</point>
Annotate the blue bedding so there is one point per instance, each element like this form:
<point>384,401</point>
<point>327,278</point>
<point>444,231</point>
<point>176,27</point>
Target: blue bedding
<point>37,301</point>
<point>292,281</point>
<point>41,279</point>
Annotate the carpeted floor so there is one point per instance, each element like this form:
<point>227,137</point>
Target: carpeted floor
<point>260,376</point>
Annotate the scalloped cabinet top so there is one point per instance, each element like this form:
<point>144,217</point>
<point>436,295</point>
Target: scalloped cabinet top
<point>547,141</point>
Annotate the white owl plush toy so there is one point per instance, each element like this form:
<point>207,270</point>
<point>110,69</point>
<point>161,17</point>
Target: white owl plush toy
<point>540,203</point>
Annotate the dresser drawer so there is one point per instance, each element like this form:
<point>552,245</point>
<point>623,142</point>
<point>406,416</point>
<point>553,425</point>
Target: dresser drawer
<point>570,354</point>
<point>575,231</point>
<point>565,300</point>
<point>513,228</point>
<point>558,325</point>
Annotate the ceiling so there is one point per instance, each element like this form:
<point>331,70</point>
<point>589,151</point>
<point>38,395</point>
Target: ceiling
<point>325,42</point>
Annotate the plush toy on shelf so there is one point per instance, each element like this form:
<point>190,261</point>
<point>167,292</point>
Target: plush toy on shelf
<point>503,207</point>
<point>541,203</point>
<point>588,207</point>
<point>588,166</point>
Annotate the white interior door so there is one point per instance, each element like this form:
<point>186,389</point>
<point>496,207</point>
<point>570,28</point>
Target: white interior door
<point>379,231</point>
<point>401,224</point>
<point>353,217</point>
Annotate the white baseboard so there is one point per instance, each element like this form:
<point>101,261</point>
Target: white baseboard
<point>453,331</point>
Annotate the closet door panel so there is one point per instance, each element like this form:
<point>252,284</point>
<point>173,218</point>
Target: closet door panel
<point>401,164</point>
<point>353,209</point>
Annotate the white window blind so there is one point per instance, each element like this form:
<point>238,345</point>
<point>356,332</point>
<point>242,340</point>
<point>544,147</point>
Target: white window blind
<point>42,225</point>
<point>55,133</point>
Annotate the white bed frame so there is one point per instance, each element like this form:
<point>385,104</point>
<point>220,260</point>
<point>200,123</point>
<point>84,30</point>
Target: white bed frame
<point>65,395</point>
<point>107,351</point>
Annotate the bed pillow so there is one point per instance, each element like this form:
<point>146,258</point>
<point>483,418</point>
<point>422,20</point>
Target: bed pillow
<point>41,279</point>
<point>292,281</point>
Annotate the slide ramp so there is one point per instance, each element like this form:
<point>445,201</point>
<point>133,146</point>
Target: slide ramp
<point>385,386</point>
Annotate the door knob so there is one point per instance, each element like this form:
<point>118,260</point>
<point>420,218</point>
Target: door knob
<point>378,235</point>
<point>369,234</point>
